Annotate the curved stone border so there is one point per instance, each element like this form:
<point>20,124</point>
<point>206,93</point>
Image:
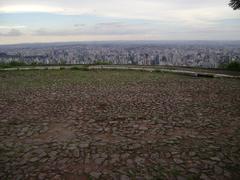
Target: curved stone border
<point>99,67</point>
<point>189,73</point>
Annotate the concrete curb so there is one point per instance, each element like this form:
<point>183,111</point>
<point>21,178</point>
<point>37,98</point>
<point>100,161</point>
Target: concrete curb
<point>189,73</point>
<point>99,67</point>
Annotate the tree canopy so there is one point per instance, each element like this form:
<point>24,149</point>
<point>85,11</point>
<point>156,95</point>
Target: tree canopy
<point>235,4</point>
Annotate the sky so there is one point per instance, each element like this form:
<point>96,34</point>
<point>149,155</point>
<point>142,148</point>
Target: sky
<point>28,21</point>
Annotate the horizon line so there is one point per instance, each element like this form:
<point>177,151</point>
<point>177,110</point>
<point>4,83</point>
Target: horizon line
<point>116,41</point>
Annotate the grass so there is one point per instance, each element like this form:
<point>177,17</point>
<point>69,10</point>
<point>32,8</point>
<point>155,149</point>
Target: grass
<point>14,64</point>
<point>232,66</point>
<point>49,78</point>
<point>102,63</point>
<point>230,69</point>
<point>17,64</point>
<point>17,80</point>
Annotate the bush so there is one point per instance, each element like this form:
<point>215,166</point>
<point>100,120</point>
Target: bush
<point>4,65</point>
<point>235,66</point>
<point>75,68</point>
<point>84,68</point>
<point>102,63</point>
<point>17,63</point>
<point>12,64</point>
<point>62,68</point>
<point>36,64</point>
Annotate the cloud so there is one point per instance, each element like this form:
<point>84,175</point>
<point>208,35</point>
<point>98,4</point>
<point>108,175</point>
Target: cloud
<point>79,25</point>
<point>12,32</point>
<point>11,27</point>
<point>25,8</point>
<point>105,28</point>
<point>164,10</point>
<point>153,19</point>
<point>122,28</point>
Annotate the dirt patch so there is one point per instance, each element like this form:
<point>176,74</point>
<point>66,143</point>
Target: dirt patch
<point>56,132</point>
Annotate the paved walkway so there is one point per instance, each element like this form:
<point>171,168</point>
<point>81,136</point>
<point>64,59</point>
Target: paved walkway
<point>115,126</point>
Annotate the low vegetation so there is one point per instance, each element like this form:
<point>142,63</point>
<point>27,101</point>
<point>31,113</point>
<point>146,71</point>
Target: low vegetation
<point>102,63</point>
<point>12,64</point>
<point>18,64</point>
<point>232,66</point>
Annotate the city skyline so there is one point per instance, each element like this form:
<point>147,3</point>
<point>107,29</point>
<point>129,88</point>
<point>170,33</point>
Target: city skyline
<point>30,21</point>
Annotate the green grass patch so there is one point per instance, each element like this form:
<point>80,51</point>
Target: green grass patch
<point>14,80</point>
<point>102,63</point>
<point>12,64</point>
<point>232,66</point>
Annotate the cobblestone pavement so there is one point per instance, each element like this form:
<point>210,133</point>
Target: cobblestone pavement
<point>118,125</point>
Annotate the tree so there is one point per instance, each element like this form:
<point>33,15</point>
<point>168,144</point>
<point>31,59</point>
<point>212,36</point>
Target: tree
<point>235,4</point>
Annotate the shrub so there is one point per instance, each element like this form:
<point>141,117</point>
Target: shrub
<point>75,68</point>
<point>17,63</point>
<point>4,65</point>
<point>102,63</point>
<point>36,64</point>
<point>84,68</point>
<point>235,66</point>
<point>12,64</point>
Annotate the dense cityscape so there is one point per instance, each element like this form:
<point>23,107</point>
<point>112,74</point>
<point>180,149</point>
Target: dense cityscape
<point>191,53</point>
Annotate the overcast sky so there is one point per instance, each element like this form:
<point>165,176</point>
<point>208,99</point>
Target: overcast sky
<point>90,20</point>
